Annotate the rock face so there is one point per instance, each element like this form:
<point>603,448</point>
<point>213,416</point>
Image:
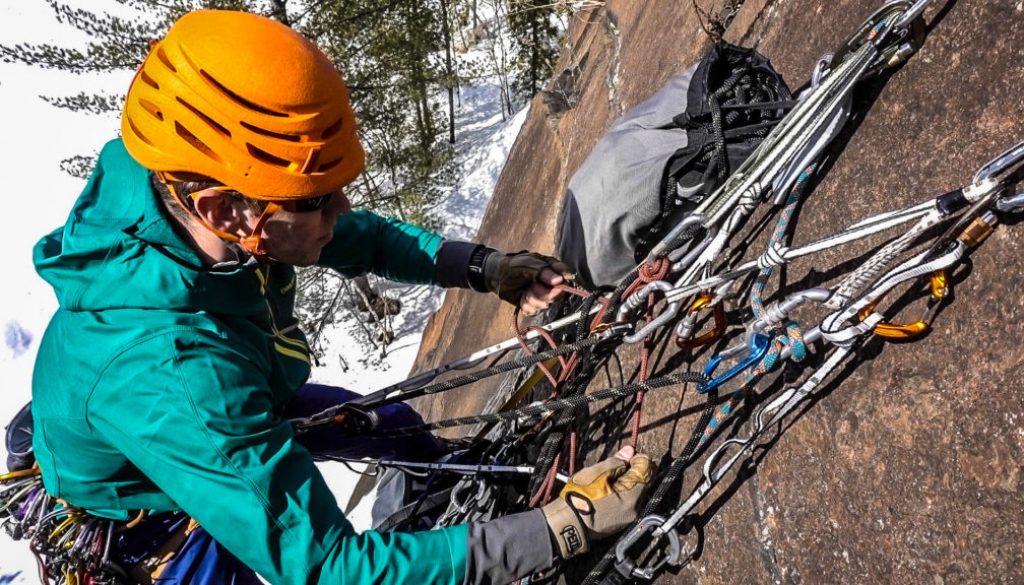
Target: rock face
<point>910,468</point>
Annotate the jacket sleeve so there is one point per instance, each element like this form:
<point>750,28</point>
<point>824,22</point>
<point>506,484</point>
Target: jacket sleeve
<point>366,242</point>
<point>203,430</point>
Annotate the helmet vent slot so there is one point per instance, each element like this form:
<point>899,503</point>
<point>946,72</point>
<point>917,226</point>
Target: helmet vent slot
<point>209,121</point>
<point>239,99</point>
<point>329,165</point>
<point>332,129</point>
<point>148,80</point>
<point>196,142</point>
<point>266,157</point>
<point>271,134</point>
<point>162,55</point>
<point>135,130</point>
<point>152,109</point>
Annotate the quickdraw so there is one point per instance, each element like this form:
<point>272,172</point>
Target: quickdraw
<point>545,433</point>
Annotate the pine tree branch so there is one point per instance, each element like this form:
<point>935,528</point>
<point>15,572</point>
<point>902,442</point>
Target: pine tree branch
<point>86,102</point>
<point>96,58</point>
<point>78,166</point>
<point>105,27</point>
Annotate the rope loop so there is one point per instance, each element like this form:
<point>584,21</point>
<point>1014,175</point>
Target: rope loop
<point>654,270</point>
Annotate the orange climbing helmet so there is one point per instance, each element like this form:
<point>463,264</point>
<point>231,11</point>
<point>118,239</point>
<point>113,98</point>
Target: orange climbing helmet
<point>246,101</point>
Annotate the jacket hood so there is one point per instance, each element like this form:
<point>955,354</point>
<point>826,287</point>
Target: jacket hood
<point>118,250</point>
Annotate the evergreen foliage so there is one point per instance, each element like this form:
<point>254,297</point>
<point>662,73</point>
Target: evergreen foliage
<point>403,60</point>
<point>534,26</point>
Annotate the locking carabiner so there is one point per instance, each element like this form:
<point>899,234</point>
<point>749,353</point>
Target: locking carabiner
<point>758,348</point>
<point>685,328</point>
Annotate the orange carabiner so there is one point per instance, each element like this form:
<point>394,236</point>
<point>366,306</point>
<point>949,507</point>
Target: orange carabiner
<point>711,335</point>
<point>907,331</point>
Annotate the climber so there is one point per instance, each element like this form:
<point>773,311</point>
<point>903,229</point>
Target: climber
<point>166,378</point>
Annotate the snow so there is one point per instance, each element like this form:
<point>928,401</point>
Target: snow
<point>38,197</point>
<point>482,146</point>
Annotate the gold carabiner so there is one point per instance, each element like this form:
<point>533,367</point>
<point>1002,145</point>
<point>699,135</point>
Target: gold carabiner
<point>906,331</point>
<point>21,473</point>
<point>711,335</point>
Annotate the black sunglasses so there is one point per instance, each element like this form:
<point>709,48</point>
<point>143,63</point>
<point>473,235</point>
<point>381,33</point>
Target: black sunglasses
<point>307,205</point>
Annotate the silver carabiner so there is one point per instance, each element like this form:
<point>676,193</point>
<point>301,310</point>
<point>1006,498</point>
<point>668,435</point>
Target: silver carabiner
<point>666,315</point>
<point>1011,204</point>
<point>1000,164</point>
<point>912,13</point>
<point>637,299</point>
<point>647,525</point>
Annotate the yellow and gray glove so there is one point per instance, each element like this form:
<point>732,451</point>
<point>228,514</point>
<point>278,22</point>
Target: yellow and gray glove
<point>599,501</point>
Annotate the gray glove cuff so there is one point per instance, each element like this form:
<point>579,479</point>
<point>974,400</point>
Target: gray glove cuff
<point>508,548</point>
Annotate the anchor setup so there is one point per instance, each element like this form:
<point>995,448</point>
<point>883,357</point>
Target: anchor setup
<point>692,292</point>
<point>683,284</point>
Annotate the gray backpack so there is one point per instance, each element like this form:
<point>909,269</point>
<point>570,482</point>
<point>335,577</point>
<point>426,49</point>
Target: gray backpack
<point>663,157</point>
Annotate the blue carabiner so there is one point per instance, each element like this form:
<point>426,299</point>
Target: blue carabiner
<point>759,344</point>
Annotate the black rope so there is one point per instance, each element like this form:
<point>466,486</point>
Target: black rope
<point>571,403</point>
<point>554,441</point>
<point>502,368</point>
<point>672,475</point>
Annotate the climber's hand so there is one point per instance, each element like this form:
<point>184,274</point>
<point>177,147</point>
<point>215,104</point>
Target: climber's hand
<point>599,501</point>
<point>526,279</point>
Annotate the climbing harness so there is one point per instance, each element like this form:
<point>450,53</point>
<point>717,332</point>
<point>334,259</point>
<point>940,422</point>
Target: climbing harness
<point>70,546</point>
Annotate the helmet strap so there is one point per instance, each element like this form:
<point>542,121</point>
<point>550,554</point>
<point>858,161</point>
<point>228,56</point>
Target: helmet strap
<point>251,244</point>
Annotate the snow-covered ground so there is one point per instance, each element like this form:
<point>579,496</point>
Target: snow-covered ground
<point>37,197</point>
<point>482,142</point>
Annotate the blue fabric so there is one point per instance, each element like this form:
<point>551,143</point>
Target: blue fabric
<point>201,561</point>
<point>314,398</point>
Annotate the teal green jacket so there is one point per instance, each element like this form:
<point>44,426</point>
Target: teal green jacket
<point>158,381</point>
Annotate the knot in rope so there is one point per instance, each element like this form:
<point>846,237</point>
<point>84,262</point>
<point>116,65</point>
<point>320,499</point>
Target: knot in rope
<point>789,336</point>
<point>653,270</point>
<point>750,197</point>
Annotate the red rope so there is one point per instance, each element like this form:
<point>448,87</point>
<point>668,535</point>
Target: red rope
<point>572,451</point>
<point>521,338</point>
<point>657,271</point>
<point>551,483</point>
<point>543,494</point>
